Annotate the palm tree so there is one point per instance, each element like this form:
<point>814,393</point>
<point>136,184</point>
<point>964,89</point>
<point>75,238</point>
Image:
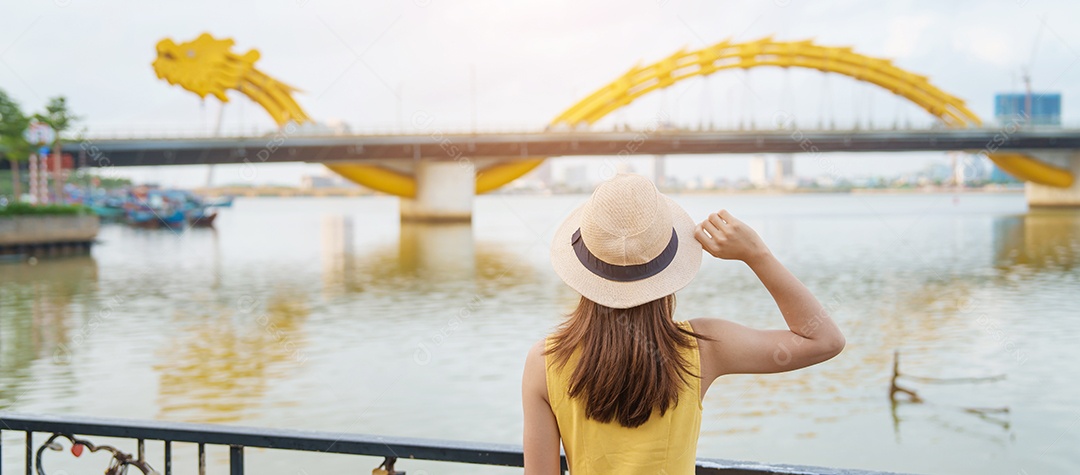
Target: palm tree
<point>13,124</point>
<point>60,119</point>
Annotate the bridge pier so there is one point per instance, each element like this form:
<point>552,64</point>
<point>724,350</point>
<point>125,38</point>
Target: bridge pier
<point>444,193</point>
<point>1043,196</point>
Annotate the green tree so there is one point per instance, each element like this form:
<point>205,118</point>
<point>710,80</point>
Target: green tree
<point>59,117</point>
<point>13,124</point>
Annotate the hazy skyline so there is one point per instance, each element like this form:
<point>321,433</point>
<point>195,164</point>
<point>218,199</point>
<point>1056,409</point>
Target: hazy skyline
<point>373,65</point>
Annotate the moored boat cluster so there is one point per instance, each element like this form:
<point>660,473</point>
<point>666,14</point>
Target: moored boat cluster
<point>146,207</point>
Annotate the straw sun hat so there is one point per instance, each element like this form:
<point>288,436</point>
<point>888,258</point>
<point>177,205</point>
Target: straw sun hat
<point>626,246</point>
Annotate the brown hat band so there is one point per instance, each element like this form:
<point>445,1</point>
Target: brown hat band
<point>629,273</point>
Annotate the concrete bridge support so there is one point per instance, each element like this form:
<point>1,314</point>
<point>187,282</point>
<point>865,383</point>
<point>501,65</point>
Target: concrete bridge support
<point>1042,196</point>
<point>444,193</point>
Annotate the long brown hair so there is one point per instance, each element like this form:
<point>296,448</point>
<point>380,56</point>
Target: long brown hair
<point>630,363</point>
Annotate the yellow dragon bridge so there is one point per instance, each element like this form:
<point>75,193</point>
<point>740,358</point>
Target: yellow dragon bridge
<point>208,66</point>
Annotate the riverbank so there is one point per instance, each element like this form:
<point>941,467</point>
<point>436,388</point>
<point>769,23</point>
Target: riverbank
<point>47,236</point>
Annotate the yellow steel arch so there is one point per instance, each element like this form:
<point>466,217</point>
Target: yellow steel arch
<point>641,80</point>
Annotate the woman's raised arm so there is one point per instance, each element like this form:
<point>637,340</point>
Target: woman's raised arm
<point>812,336</point>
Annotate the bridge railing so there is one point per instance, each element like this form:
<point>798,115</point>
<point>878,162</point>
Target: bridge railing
<point>392,450</point>
<point>184,132</point>
<point>810,124</point>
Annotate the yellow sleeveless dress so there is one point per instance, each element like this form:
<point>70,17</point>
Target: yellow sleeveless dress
<point>662,445</point>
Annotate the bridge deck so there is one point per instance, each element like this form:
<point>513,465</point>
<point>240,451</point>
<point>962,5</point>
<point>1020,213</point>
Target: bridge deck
<point>282,147</point>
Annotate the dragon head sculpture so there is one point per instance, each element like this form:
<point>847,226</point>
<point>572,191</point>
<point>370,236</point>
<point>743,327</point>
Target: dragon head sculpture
<point>208,65</point>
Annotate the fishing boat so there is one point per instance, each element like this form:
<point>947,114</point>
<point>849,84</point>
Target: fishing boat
<point>147,207</point>
<point>200,217</point>
<point>108,208</point>
<point>108,213</point>
<point>196,210</point>
<point>141,218</point>
<point>151,207</point>
<point>219,202</point>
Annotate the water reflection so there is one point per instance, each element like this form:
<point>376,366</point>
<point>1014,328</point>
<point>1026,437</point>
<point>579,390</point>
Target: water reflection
<point>221,363</point>
<point>426,257</point>
<point>337,239</point>
<point>929,302</point>
<point>36,315</point>
<point>437,251</point>
<point>1041,240</point>
<point>900,394</point>
<point>950,312</point>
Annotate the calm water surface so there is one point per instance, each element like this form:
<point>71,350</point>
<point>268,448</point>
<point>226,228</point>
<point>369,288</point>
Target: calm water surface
<point>327,314</point>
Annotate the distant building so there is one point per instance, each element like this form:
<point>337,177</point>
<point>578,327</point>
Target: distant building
<point>939,172</point>
<point>311,182</point>
<point>999,176</point>
<point>576,177</point>
<point>784,175</point>
<point>543,174</point>
<point>308,182</point>
<point>759,171</point>
<point>1045,108</point>
<point>978,168</point>
<point>659,173</point>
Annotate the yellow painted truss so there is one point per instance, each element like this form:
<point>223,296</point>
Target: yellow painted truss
<point>641,80</point>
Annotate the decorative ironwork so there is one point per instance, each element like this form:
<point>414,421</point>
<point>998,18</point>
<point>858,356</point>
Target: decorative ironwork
<point>118,465</point>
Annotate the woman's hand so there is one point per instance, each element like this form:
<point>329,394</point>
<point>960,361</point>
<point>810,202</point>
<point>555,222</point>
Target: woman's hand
<point>725,237</point>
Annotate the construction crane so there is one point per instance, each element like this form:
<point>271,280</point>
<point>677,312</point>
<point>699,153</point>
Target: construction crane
<point>1025,71</point>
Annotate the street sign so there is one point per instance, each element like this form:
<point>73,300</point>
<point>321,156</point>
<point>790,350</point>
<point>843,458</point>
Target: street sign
<point>39,133</point>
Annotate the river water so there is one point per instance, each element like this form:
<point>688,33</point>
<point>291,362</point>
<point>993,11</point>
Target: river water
<point>327,314</point>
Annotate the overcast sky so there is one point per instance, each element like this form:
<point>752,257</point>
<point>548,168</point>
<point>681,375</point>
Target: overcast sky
<point>374,64</point>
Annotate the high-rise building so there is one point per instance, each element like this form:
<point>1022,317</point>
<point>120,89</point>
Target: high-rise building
<point>1044,108</point>
<point>784,174</point>
<point>759,171</point>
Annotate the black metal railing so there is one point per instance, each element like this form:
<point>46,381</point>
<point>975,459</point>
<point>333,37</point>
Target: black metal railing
<point>391,449</point>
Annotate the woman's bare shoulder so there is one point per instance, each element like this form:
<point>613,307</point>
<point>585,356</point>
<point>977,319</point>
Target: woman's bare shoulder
<point>710,326</point>
<point>538,348</point>
<point>534,379</point>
